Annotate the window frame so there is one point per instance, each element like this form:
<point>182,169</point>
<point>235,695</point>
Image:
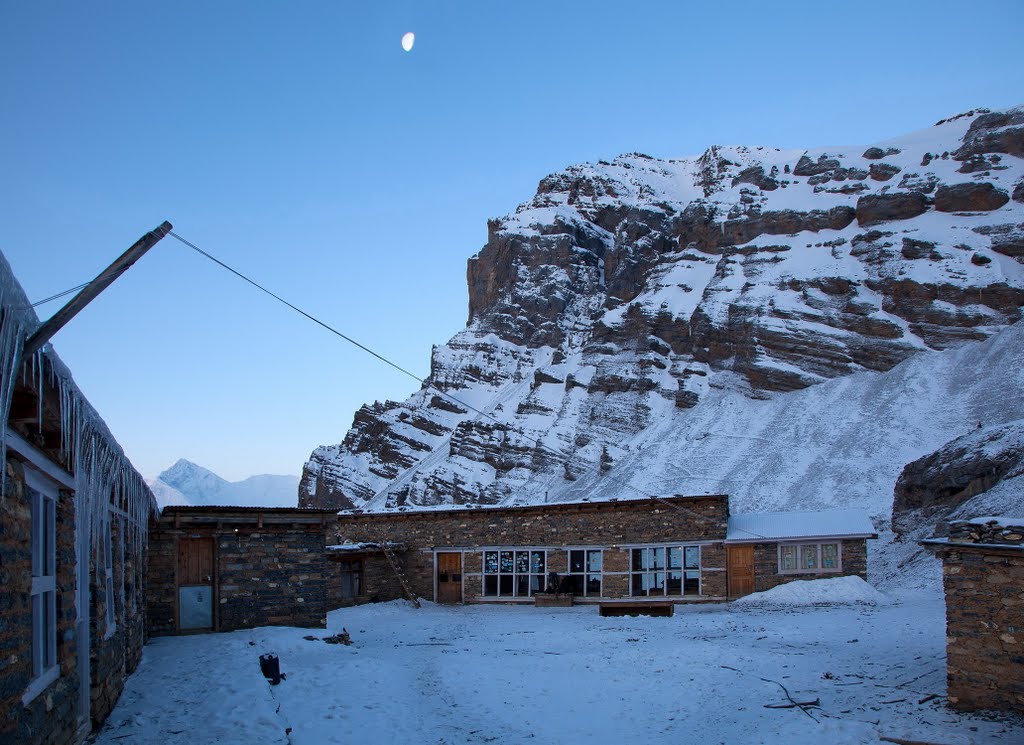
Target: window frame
<point>107,540</point>
<point>352,568</point>
<point>43,498</point>
<point>665,570</point>
<point>586,573</point>
<point>800,547</point>
<point>515,575</point>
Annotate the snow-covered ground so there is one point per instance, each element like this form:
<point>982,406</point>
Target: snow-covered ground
<point>478,674</point>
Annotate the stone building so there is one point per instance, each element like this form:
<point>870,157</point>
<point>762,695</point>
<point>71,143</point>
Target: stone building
<point>225,568</point>
<point>983,578</point>
<point>673,550</point>
<point>73,523</point>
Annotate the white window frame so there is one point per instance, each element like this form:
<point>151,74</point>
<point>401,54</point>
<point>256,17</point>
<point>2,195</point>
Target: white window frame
<point>800,547</point>
<point>514,574</point>
<point>43,497</point>
<point>665,570</point>
<point>587,572</point>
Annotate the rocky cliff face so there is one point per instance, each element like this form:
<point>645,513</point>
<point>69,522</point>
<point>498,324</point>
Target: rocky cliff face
<point>633,307</point>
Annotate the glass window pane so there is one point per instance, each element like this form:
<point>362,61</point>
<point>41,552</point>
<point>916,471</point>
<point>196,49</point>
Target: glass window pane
<point>49,544</point>
<point>594,585</point>
<point>594,560</point>
<point>576,561</point>
<point>691,583</point>
<point>788,554</point>
<point>637,586</point>
<point>51,628</point>
<point>505,563</point>
<point>490,585</point>
<point>693,557</point>
<point>38,634</point>
<point>522,562</point>
<point>505,585</point>
<point>675,557</point>
<point>35,499</point>
<point>829,556</point>
<point>657,558</point>
<point>657,583</point>
<point>638,559</point>
<point>490,561</point>
<point>809,554</point>
<point>537,562</point>
<point>523,585</point>
<point>536,583</point>
<point>674,584</point>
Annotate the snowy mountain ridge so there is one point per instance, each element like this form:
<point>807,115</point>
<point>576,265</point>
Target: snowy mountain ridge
<point>786,326</point>
<point>188,484</point>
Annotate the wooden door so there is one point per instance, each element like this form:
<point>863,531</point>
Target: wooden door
<point>449,577</point>
<point>195,583</point>
<point>740,563</point>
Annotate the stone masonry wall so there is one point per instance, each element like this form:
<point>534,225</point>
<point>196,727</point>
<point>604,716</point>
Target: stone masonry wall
<point>115,651</point>
<point>601,524</point>
<point>273,576</point>
<point>984,588</point>
<point>51,717</point>
<point>853,562</point>
<point>161,569</point>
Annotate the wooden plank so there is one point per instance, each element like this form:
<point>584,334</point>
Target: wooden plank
<point>38,458</point>
<point>449,577</point>
<point>121,264</point>
<point>195,561</point>
<point>740,565</point>
<point>636,609</point>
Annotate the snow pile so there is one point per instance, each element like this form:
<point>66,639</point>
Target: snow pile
<point>832,591</point>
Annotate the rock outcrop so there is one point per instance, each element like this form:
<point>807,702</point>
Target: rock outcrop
<point>625,293</point>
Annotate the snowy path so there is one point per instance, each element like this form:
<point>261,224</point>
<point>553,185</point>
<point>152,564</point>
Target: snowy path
<point>478,674</point>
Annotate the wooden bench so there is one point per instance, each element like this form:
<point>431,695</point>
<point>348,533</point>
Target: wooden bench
<point>637,608</point>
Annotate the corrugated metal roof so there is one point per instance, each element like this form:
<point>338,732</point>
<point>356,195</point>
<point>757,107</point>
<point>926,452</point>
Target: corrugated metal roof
<point>775,526</point>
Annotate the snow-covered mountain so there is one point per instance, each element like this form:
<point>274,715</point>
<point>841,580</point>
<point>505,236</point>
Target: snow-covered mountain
<point>790,327</point>
<point>185,483</point>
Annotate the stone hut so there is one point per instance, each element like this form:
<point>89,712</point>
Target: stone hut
<point>658,549</point>
<point>226,568</point>
<point>73,520</point>
<point>983,578</point>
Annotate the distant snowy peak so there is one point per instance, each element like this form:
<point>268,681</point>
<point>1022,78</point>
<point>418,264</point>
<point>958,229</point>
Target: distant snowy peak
<point>633,311</point>
<point>186,483</point>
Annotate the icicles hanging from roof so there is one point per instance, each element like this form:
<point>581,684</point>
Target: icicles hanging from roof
<point>104,477</point>
<point>16,317</point>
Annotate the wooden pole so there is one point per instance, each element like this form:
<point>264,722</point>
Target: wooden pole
<point>59,319</point>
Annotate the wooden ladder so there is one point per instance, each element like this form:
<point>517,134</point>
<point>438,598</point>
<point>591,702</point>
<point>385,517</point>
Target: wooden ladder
<point>398,573</point>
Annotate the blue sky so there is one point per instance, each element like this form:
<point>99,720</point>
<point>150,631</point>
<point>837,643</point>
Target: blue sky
<point>299,143</point>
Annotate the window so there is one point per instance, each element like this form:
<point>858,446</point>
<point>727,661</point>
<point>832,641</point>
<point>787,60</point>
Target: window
<point>809,558</point>
<point>108,575</point>
<point>509,573</point>
<point>665,570</point>
<point>584,576</point>
<point>351,576</point>
<point>43,500</point>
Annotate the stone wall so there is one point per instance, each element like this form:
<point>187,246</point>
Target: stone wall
<point>984,586</point>
<point>115,650</point>
<point>853,562</point>
<point>52,716</point>
<point>161,573</point>
<point>273,576</point>
<point>556,527</point>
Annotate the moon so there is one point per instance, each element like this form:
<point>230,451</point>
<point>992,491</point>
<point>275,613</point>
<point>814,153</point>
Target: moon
<point>408,40</point>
